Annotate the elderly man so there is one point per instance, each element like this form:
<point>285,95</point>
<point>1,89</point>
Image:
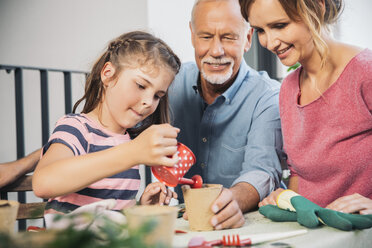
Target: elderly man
<point>228,113</point>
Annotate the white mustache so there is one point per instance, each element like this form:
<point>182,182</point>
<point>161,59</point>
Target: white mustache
<point>218,78</point>
<point>211,60</point>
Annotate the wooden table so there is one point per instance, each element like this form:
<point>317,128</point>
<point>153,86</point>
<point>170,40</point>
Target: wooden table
<point>255,223</point>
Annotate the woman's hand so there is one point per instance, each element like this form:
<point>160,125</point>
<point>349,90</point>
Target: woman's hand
<point>157,145</point>
<point>157,193</point>
<point>352,203</point>
<point>271,199</point>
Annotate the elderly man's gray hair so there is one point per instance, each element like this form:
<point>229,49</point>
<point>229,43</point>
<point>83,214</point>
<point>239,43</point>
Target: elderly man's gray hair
<point>197,2</point>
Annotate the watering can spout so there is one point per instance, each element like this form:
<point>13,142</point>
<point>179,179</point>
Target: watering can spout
<point>195,182</point>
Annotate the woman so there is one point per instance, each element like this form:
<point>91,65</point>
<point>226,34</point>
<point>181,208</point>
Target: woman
<point>325,105</point>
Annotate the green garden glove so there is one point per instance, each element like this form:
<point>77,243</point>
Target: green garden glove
<point>309,214</point>
<point>277,214</point>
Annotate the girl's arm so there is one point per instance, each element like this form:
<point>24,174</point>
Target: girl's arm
<point>59,172</point>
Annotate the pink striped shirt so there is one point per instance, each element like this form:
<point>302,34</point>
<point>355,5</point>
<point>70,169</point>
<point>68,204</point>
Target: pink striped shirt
<point>83,135</point>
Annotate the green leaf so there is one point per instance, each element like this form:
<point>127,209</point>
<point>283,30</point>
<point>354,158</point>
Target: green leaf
<point>293,67</point>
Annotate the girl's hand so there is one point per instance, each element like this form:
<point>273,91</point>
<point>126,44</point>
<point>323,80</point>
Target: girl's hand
<point>157,145</point>
<point>271,199</point>
<point>157,193</point>
<point>352,203</point>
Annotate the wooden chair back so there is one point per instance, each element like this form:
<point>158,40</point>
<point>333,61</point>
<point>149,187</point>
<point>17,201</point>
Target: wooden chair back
<point>32,210</point>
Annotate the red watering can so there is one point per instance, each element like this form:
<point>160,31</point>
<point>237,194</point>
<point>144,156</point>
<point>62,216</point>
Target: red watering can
<point>172,176</point>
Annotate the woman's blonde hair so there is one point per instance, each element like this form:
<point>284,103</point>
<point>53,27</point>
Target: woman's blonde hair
<point>311,13</point>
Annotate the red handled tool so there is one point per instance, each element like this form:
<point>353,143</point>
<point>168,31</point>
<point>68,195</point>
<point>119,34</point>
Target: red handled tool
<point>244,240</point>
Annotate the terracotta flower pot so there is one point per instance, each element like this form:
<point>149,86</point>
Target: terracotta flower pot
<point>8,215</point>
<point>198,204</point>
<point>164,216</point>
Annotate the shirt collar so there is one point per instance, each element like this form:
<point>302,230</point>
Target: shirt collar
<point>242,74</point>
<point>231,91</point>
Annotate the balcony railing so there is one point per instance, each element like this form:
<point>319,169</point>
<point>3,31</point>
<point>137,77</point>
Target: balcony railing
<point>19,109</point>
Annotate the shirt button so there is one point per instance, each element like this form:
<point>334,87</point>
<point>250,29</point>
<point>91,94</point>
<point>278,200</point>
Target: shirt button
<point>203,165</point>
<point>204,139</point>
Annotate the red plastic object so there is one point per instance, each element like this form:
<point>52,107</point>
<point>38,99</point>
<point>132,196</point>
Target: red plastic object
<point>198,181</point>
<point>195,182</point>
<point>35,229</point>
<point>234,240</point>
<point>227,240</point>
<point>172,176</point>
<point>199,242</point>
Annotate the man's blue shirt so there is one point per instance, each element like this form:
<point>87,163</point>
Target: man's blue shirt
<point>238,137</point>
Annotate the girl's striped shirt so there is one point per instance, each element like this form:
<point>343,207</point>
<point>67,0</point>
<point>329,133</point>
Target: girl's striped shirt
<point>83,135</point>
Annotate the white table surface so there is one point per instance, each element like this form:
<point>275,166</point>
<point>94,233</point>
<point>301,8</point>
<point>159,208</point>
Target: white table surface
<point>255,223</point>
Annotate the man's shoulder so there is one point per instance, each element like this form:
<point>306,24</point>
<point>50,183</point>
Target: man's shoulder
<point>262,76</point>
<point>187,75</point>
<point>260,81</point>
<point>188,70</point>
<point>189,67</point>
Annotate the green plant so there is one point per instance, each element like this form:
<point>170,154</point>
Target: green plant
<point>109,234</point>
<point>6,241</point>
<point>293,67</point>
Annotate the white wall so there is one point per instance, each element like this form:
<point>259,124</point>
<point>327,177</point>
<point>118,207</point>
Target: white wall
<point>355,23</point>
<point>169,20</point>
<point>64,34</point>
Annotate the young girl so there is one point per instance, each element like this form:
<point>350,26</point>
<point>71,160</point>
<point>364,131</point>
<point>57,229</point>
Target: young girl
<point>95,155</point>
<point>325,105</point>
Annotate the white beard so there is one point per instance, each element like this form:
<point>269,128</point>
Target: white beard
<point>217,78</point>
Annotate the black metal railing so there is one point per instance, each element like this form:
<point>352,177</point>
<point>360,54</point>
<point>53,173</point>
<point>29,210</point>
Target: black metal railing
<point>19,107</point>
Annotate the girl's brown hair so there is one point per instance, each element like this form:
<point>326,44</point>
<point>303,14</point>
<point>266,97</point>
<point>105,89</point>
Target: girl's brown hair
<point>311,13</point>
<point>133,49</point>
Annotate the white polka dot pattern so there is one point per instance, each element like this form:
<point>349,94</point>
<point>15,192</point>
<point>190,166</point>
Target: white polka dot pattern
<point>171,175</point>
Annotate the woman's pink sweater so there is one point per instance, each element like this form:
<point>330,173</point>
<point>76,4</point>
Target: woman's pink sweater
<point>329,141</point>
